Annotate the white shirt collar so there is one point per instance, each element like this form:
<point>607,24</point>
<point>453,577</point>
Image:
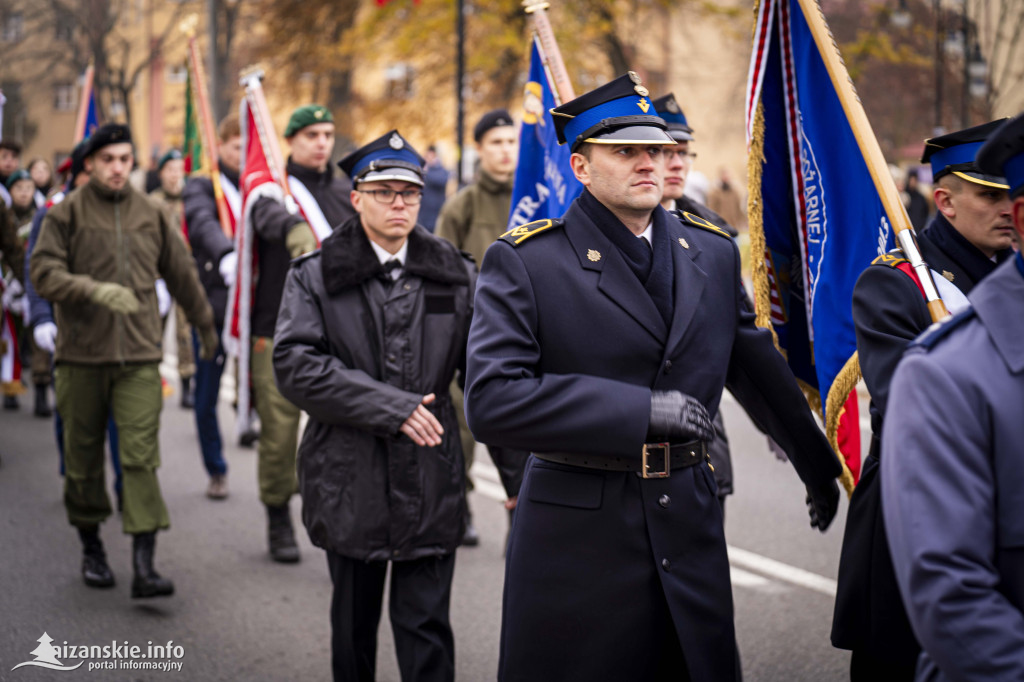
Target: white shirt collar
<point>648,234</point>
<point>383,256</point>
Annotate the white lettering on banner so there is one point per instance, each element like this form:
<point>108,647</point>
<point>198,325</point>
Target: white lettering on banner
<point>554,177</point>
<point>524,211</point>
<point>883,236</point>
<point>815,215</point>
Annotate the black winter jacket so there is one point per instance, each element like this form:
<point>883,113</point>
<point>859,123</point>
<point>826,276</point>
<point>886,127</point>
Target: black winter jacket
<point>358,353</point>
<point>207,239</point>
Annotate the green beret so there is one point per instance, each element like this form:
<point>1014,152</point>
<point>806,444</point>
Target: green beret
<point>17,176</point>
<point>307,116</point>
<point>171,155</point>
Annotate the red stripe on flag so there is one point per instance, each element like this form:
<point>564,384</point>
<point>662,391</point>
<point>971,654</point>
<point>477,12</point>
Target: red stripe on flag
<point>848,434</point>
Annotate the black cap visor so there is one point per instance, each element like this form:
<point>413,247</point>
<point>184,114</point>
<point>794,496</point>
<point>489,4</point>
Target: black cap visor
<point>970,173</point>
<point>637,134</point>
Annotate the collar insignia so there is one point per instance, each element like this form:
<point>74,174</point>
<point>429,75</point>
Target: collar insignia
<point>593,256</point>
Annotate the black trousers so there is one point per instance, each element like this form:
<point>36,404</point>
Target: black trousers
<point>418,606</point>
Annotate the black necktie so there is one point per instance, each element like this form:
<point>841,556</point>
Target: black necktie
<point>391,264</point>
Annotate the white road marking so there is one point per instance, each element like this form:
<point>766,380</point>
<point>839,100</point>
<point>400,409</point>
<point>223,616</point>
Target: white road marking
<point>746,579</point>
<point>749,569</point>
<point>780,571</point>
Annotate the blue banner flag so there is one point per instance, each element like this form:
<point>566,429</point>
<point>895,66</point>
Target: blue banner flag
<point>817,215</point>
<point>92,121</point>
<point>544,185</point>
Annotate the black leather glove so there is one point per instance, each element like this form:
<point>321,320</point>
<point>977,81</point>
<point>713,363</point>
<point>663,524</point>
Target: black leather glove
<point>675,414</point>
<point>822,504</point>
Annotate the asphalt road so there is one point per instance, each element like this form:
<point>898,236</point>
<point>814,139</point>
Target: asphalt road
<point>237,615</point>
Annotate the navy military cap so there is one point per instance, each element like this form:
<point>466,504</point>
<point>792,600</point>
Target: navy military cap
<point>954,153</point>
<point>108,134</point>
<point>492,119</point>
<point>668,108</point>
<point>1003,154</point>
<point>619,112</point>
<point>389,157</point>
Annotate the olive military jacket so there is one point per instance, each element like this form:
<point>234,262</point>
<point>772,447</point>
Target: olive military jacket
<point>97,235</point>
<point>476,216</point>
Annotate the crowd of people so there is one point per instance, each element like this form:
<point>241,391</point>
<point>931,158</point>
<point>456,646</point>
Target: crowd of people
<point>588,352</point>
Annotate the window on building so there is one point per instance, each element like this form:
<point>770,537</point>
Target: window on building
<point>64,28</point>
<point>13,28</point>
<point>64,97</point>
<point>399,81</point>
<point>176,73</point>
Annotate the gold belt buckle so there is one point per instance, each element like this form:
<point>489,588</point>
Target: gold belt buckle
<point>648,470</point>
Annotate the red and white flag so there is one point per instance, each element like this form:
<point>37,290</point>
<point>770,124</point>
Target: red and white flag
<point>256,180</point>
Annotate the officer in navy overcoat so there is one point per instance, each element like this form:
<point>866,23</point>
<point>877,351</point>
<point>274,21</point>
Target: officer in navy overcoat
<point>595,339</point>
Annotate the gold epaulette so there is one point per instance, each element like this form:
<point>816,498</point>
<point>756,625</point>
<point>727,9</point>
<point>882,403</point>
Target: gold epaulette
<point>518,235</point>
<point>696,221</point>
<point>892,259</point>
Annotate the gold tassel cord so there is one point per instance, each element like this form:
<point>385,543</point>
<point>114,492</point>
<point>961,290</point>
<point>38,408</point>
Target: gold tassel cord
<point>844,382</point>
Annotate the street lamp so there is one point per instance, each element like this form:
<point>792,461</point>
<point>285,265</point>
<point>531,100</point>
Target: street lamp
<point>900,18</point>
<point>977,71</point>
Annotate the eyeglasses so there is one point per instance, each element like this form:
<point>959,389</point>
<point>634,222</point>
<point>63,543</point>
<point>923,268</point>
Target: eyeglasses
<point>411,197</point>
<point>685,156</point>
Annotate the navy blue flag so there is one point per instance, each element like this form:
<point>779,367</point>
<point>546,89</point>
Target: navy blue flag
<point>92,121</point>
<point>817,213</point>
<point>544,185</point>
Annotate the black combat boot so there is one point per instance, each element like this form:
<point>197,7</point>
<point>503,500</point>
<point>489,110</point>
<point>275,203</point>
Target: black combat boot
<point>95,570</point>
<point>188,397</point>
<point>147,582</point>
<point>281,535</point>
<point>43,401</point>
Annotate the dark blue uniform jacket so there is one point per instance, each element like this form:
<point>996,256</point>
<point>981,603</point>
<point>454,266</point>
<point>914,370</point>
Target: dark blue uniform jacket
<point>565,349</point>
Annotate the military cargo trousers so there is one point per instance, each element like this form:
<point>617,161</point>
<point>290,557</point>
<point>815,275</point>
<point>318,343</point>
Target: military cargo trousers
<point>86,396</point>
<point>279,429</point>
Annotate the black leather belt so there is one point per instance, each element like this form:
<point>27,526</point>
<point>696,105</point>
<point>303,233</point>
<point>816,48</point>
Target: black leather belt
<point>657,460</point>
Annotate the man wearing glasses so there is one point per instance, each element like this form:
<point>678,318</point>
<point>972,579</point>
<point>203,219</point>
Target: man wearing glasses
<point>371,331</point>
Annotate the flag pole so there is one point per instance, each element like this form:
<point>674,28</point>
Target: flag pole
<point>83,105</point>
<point>251,80</point>
<point>550,53</point>
<point>877,167</point>
<point>206,130</point>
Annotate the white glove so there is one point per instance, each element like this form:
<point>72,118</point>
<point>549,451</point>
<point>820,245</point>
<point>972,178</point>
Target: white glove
<point>12,292</point>
<point>228,268</point>
<point>45,335</point>
<point>163,298</point>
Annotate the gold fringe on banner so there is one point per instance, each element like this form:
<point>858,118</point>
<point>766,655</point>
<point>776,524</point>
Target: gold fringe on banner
<point>755,219</point>
<point>844,382</point>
